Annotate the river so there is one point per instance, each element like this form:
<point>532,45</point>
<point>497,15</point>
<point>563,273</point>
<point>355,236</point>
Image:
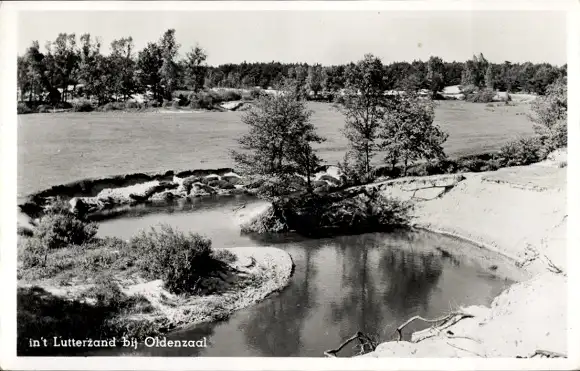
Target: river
<point>371,283</point>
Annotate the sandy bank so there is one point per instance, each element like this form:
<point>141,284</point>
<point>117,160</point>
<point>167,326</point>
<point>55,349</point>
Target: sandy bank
<point>268,268</point>
<point>521,213</point>
<point>256,273</point>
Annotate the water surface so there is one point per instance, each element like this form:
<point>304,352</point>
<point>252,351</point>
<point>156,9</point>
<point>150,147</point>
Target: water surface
<point>370,283</point>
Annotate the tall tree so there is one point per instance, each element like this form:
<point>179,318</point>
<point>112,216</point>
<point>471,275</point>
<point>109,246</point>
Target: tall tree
<point>279,138</point>
<point>435,75</point>
<point>65,59</point>
<point>23,80</point>
<point>408,131</point>
<point>489,77</point>
<point>169,48</point>
<point>195,70</point>
<point>149,63</point>
<point>550,115</point>
<point>123,66</point>
<point>314,79</point>
<point>91,69</point>
<point>364,109</point>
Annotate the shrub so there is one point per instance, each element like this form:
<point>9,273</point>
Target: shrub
<point>58,230</point>
<point>256,93</point>
<point>175,105</point>
<point>63,105</point>
<point>202,100</point>
<point>247,96</point>
<point>523,151</point>
<point>113,106</point>
<point>363,210</point>
<point>107,293</point>
<point>130,104</point>
<point>82,105</point>
<point>32,252</point>
<point>183,101</point>
<point>230,95</point>
<point>180,260</point>
<point>22,109</point>
<point>43,108</point>
<point>225,256</point>
<point>166,103</point>
<point>481,96</point>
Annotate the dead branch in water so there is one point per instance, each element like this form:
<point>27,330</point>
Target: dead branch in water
<point>448,320</point>
<point>364,341</point>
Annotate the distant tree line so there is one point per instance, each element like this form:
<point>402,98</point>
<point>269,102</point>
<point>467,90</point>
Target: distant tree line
<point>47,75</point>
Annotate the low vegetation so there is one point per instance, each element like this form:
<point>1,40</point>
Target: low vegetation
<point>180,260</point>
<point>63,251</point>
<point>343,212</point>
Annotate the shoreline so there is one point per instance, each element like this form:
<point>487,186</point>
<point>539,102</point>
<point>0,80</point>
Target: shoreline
<point>261,271</point>
<point>528,316</point>
<point>484,209</point>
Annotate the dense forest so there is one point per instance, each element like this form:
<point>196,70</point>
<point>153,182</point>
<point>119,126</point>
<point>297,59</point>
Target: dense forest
<point>79,67</point>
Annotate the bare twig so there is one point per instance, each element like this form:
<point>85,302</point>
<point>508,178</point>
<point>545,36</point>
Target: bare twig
<point>547,353</point>
<point>239,207</point>
<point>364,340</point>
<point>456,316</point>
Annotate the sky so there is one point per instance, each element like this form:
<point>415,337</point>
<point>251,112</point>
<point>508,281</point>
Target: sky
<point>326,37</point>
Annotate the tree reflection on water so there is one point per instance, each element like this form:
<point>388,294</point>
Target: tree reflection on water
<point>370,283</point>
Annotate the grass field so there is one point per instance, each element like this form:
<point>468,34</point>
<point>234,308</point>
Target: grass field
<point>58,148</point>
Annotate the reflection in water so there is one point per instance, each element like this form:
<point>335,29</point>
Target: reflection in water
<point>370,283</point>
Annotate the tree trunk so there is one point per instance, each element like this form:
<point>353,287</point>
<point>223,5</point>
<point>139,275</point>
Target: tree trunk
<point>367,161</point>
<point>405,168</point>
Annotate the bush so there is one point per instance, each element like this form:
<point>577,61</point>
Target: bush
<point>22,109</point>
<point>32,252</point>
<point>175,105</point>
<point>355,211</point>
<point>256,93</point>
<point>481,96</point>
<point>247,96</point>
<point>180,260</point>
<point>183,101</point>
<point>202,100</point>
<point>130,104</point>
<point>230,95</point>
<point>82,105</point>
<point>107,293</point>
<point>43,108</point>
<point>63,105</point>
<point>523,151</point>
<point>225,256</point>
<point>62,229</point>
<point>113,106</point>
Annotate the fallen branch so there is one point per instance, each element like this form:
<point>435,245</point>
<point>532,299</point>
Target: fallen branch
<point>239,207</point>
<point>448,320</point>
<point>545,353</point>
<point>364,340</point>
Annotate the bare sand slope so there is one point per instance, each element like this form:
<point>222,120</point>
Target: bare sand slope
<point>521,213</point>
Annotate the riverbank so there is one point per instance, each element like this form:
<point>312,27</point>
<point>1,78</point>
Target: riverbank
<point>521,213</point>
<point>87,305</point>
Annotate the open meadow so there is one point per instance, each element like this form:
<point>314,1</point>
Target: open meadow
<point>58,148</point>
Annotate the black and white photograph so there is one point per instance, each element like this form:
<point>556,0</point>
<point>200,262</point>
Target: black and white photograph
<point>282,182</point>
